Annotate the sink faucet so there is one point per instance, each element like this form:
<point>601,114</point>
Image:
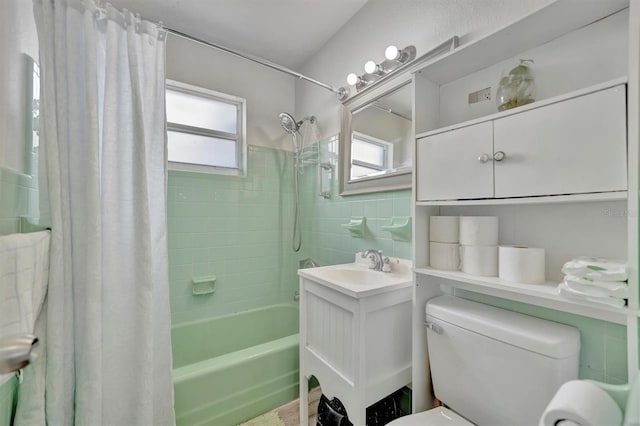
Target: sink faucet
<point>378,261</point>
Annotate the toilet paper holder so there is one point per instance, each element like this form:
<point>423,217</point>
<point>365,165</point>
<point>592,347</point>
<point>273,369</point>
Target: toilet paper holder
<point>626,397</point>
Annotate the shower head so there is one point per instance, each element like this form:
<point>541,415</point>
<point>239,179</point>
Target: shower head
<point>289,123</point>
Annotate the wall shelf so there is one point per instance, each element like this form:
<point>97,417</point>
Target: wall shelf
<point>356,226</point>
<point>537,104</point>
<point>549,199</point>
<point>203,285</point>
<point>543,295</point>
<point>546,24</point>
<point>400,228</point>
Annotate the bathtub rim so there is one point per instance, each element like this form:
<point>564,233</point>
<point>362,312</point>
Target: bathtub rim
<point>296,306</point>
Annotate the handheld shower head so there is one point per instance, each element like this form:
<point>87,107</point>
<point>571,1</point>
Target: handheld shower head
<point>289,123</point>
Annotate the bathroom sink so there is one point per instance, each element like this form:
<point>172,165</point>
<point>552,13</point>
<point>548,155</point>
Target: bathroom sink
<point>357,280</point>
<point>357,276</point>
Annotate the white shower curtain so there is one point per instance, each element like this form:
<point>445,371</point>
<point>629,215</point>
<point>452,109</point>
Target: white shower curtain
<point>103,148</point>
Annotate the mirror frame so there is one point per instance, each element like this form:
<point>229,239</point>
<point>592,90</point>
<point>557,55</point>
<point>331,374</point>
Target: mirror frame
<point>379,183</point>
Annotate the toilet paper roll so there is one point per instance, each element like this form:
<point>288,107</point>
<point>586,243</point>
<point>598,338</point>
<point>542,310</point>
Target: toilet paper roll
<point>479,260</point>
<point>444,256</point>
<point>521,264</point>
<point>479,230</point>
<point>444,229</point>
<point>583,403</point>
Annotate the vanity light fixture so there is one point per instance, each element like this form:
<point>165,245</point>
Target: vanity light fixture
<point>355,80</point>
<point>395,58</point>
<point>393,54</point>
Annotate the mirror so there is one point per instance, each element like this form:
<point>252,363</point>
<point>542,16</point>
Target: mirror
<point>32,117</point>
<point>376,139</point>
<point>18,44</point>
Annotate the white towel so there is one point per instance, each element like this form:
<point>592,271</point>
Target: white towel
<point>570,294</point>
<point>24,274</point>
<point>615,289</point>
<point>596,269</point>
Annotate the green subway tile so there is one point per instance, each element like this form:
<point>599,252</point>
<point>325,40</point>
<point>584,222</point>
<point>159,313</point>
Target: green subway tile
<point>616,358</point>
<point>616,330</point>
<point>614,380</point>
<point>178,273</point>
<point>357,209</point>
<point>202,269</point>
<point>371,209</point>
<point>586,373</point>
<point>384,208</point>
<point>185,194</point>
<point>401,207</point>
<point>9,226</point>
<point>179,256</point>
<point>9,176</point>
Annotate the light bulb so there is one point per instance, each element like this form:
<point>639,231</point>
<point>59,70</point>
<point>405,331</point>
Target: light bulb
<point>370,67</point>
<point>352,79</point>
<point>391,53</point>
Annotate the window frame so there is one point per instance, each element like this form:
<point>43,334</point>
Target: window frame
<point>387,150</point>
<point>239,138</point>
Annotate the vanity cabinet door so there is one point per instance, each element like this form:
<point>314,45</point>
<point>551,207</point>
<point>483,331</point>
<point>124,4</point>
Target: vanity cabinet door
<point>456,165</point>
<point>573,146</point>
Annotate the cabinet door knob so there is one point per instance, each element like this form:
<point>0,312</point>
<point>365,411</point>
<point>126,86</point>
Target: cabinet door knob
<point>499,155</point>
<point>484,158</point>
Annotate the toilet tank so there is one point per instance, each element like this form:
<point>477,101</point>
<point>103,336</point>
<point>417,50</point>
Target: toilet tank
<point>497,367</point>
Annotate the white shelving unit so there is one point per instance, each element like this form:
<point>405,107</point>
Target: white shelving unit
<point>549,199</point>
<point>543,295</point>
<point>579,49</point>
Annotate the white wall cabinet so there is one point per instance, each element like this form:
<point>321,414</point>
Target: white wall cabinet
<point>569,146</point>
<point>449,166</point>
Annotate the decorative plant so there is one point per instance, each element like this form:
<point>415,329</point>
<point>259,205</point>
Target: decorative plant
<point>517,87</point>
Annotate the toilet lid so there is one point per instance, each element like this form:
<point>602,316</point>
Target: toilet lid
<point>435,417</point>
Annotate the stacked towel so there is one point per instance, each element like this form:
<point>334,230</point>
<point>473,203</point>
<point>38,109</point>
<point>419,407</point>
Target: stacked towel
<point>601,281</point>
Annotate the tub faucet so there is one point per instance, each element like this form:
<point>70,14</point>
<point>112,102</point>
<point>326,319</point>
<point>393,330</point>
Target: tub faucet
<point>378,261</point>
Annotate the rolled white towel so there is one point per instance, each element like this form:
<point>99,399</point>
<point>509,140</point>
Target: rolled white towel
<point>616,289</point>
<point>568,293</point>
<point>596,269</point>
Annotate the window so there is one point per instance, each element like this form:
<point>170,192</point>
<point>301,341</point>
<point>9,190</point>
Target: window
<point>205,130</point>
<point>369,155</point>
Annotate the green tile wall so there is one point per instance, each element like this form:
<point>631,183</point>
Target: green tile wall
<point>324,239</point>
<point>18,197</point>
<point>237,228</point>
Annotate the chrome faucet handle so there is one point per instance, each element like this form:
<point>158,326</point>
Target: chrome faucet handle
<point>373,262</point>
<point>386,265</point>
<point>376,258</point>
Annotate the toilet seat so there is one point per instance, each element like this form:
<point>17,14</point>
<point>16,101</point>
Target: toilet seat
<point>434,417</point>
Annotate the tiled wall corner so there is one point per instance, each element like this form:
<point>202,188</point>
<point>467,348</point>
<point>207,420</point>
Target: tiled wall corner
<point>326,240</point>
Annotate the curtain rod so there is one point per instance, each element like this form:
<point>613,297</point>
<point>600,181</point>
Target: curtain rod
<point>341,92</point>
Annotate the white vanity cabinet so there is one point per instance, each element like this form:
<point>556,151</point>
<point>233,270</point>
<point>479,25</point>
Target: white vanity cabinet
<point>574,144</point>
<point>355,334</point>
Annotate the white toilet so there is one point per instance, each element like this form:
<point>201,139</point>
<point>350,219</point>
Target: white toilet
<point>490,366</point>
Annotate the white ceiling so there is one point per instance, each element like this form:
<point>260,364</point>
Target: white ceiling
<point>287,32</point>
